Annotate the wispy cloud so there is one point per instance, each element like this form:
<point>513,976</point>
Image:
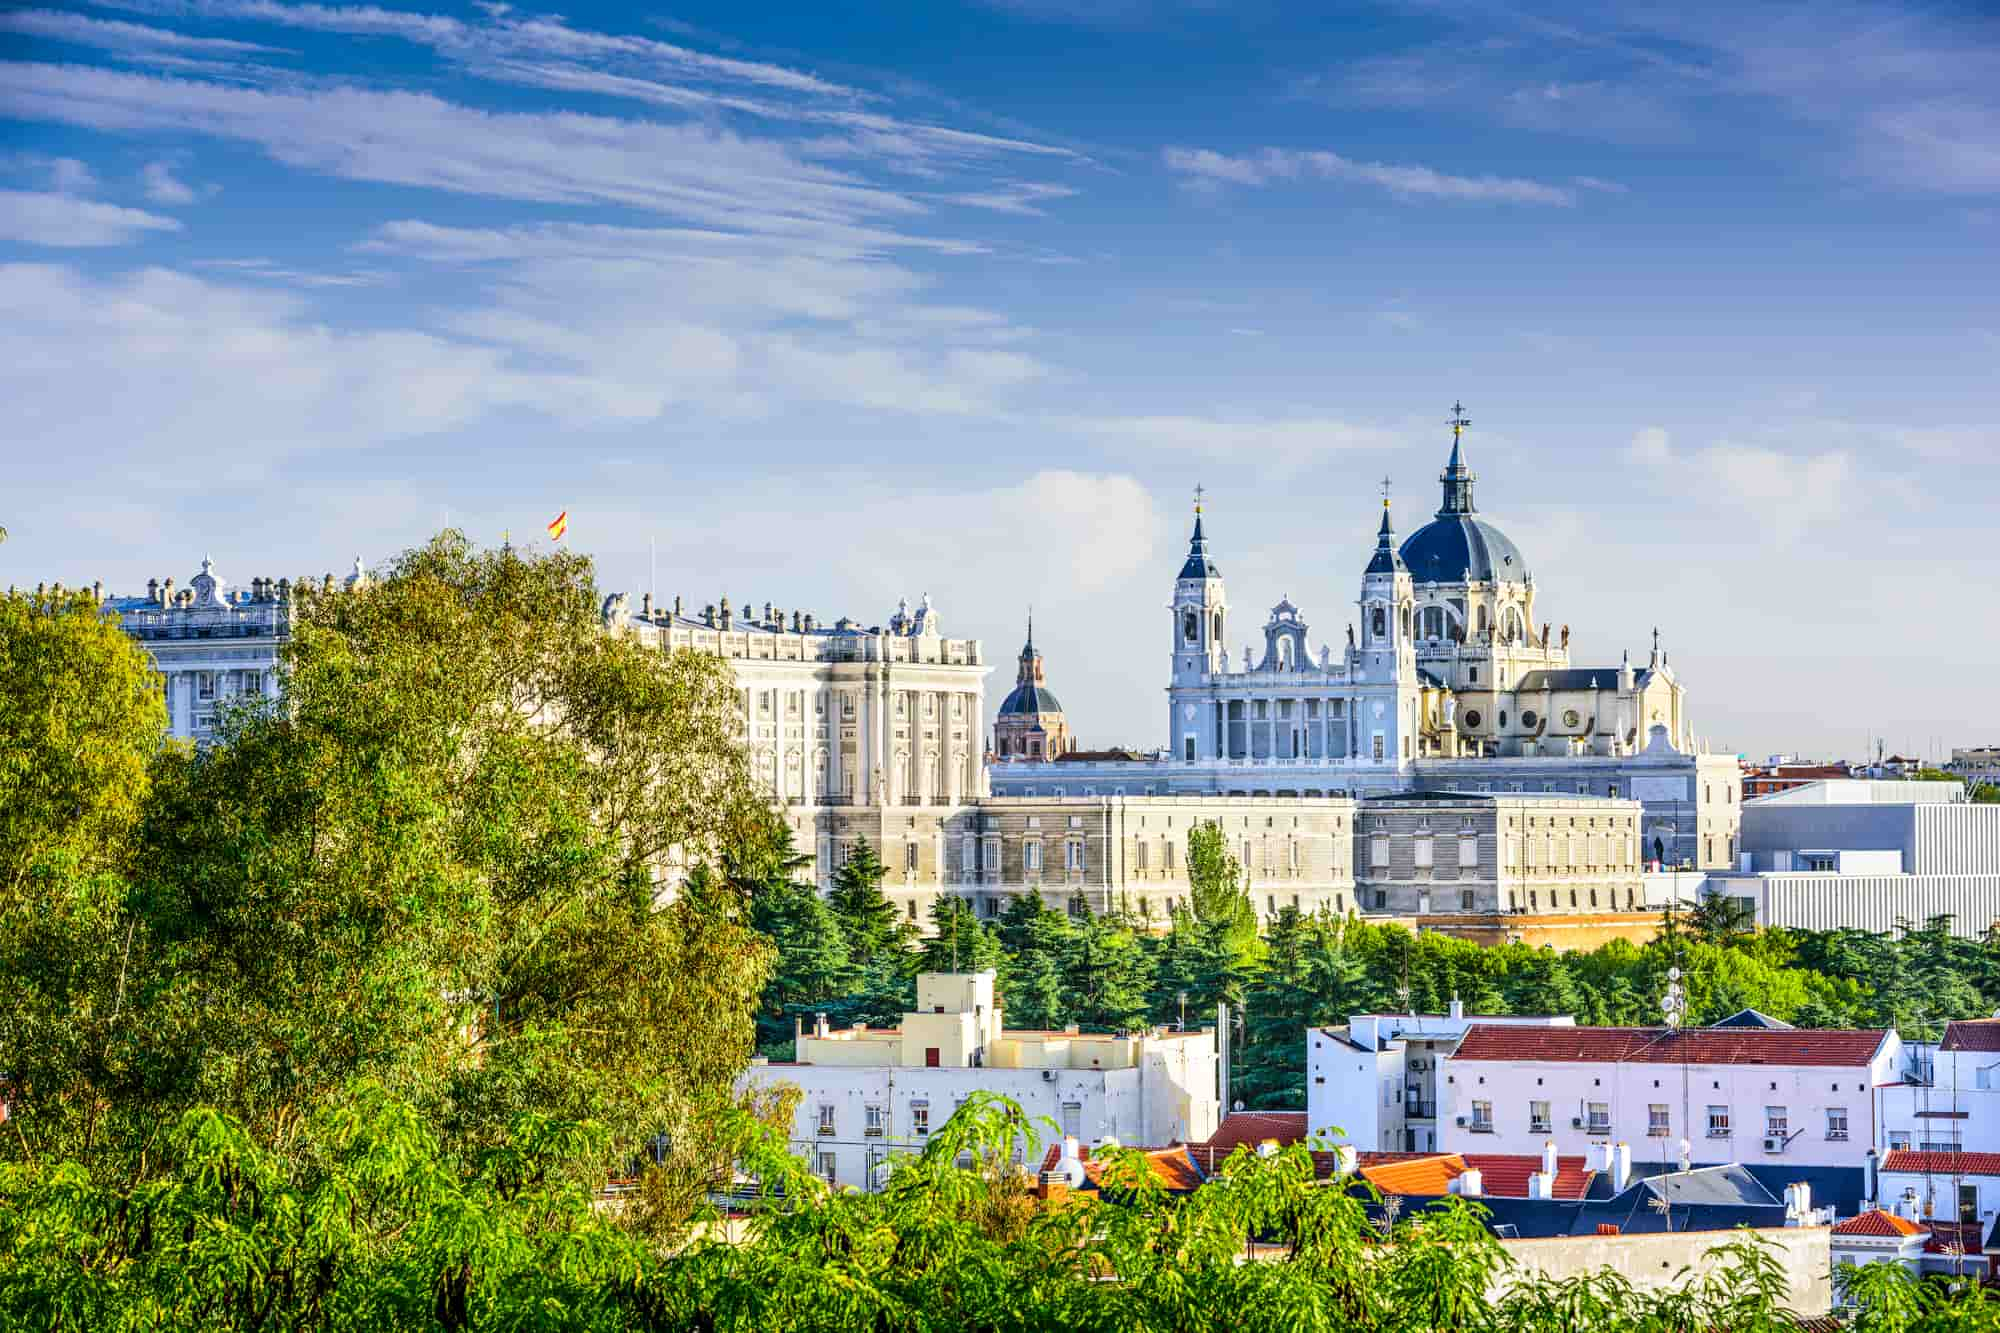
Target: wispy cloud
<point>1282,443</point>
<point>63,220</point>
<point>163,187</point>
<point>121,38</point>
<point>1209,169</point>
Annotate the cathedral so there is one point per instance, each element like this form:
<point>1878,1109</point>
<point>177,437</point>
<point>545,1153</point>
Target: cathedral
<point>1447,681</point>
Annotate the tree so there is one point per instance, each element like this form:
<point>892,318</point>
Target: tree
<point>866,914</point>
<point>958,942</point>
<point>1216,887</point>
<point>443,866</point>
<point>81,717</point>
<point>81,721</point>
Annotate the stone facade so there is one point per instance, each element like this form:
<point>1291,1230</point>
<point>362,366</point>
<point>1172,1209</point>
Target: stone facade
<point>1428,853</point>
<point>1450,683</point>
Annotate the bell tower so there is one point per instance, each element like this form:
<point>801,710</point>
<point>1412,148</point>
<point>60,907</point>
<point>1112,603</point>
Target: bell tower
<point>1200,627</point>
<point>1384,661</point>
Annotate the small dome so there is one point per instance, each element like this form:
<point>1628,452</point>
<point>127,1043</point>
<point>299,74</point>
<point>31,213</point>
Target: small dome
<point>1029,699</point>
<point>1463,548</point>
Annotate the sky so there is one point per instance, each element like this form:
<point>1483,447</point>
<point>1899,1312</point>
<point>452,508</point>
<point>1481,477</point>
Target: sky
<point>827,305</point>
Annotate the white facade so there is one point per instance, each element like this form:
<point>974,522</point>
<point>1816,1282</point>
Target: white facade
<point>1754,1104</point>
<point>1446,683</point>
<point>211,643</point>
<point>867,1094</point>
<point>1375,1080</point>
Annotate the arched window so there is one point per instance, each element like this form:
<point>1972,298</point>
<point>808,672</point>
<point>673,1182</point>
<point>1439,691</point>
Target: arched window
<point>1190,627</point>
<point>1381,623</point>
<point>1216,637</point>
<point>1482,620</point>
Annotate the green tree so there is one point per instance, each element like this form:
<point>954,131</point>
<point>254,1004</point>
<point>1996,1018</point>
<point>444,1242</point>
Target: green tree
<point>958,942</point>
<point>868,918</point>
<point>442,866</point>
<point>1216,888</point>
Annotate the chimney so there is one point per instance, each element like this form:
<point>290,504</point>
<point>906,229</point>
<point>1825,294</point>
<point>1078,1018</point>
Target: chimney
<point>1621,1165</point>
<point>1457,1007</point>
<point>1549,1158</point>
<point>152,590</point>
<point>1052,1189</point>
<point>1798,1204</point>
<point>1070,1166</point>
<point>1471,1183</point>
<point>724,613</point>
<point>646,605</point>
<point>97,590</point>
<point>1541,1185</point>
<point>1346,1161</point>
<point>820,1027</point>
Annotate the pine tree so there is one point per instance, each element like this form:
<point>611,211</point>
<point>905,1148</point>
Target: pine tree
<point>958,942</point>
<point>866,916</point>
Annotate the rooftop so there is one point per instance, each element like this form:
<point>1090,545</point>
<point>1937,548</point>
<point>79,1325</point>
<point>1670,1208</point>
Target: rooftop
<point>1972,1034</point>
<point>1699,1046</point>
<point>1877,1222</point>
<point>1917,1162</point>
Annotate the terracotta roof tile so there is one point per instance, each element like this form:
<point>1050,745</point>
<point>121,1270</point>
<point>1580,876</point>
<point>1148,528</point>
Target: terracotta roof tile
<point>1502,1175</point>
<point>1972,1034</point>
<point>1943,1163</point>
<point>1173,1166</point>
<point>1877,1222</point>
<point>1505,1175</point>
<point>1704,1046</point>
<point>1253,1127</point>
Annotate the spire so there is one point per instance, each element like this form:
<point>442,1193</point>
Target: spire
<point>1387,560</point>
<point>1029,650</point>
<point>1198,565</point>
<point>1457,478</point>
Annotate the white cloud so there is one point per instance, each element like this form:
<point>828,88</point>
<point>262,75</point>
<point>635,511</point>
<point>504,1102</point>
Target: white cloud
<point>1779,493</point>
<point>70,176</point>
<point>63,220</point>
<point>122,38</point>
<point>1207,168</point>
<point>696,172</point>
<point>163,187</point>
<point>1651,445</point>
<point>1283,444</point>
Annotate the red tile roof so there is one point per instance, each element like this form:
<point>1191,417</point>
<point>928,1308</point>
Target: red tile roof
<point>1943,1163</point>
<point>1171,1165</point>
<point>1505,1175</point>
<point>1253,1127</point>
<point>1701,1046</point>
<point>1502,1175</point>
<point>1877,1222</point>
<point>1972,1034</point>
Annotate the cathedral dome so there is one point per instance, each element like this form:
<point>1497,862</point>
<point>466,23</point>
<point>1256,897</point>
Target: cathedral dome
<point>1029,699</point>
<point>1463,548</point>
<point>1458,546</point>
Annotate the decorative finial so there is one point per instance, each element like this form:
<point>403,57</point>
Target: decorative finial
<point>1459,421</point>
<point>1656,638</point>
<point>1199,491</point>
<point>1385,492</point>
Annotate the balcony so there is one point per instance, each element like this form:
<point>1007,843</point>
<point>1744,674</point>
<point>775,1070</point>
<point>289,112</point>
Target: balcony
<point>1541,1127</point>
<point>1598,1127</point>
<point>1419,1109</point>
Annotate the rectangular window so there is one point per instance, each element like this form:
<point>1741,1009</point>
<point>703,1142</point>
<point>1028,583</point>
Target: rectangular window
<point>1378,749</point>
<point>1073,855</point>
<point>1381,899</point>
<point>1482,1117</point>
<point>1718,1122</point>
<point>1836,1122</point>
<point>968,855</point>
<point>1170,856</point>
<point>909,858</point>
<point>1378,851</point>
<point>1658,1126</point>
<point>826,1118</point>
<point>1776,1123</point>
<point>204,684</point>
<point>1423,846</point>
<point>1465,900</point>
<point>1468,851</point>
<point>874,1122</point>
<point>1031,856</point>
<point>1899,1140</point>
<point>826,1167</point>
<point>1072,1119</point>
<point>1968,1204</point>
<point>1142,856</point>
<point>1598,1114</point>
<point>992,856</point>
<point>1539,1121</point>
<point>920,1118</point>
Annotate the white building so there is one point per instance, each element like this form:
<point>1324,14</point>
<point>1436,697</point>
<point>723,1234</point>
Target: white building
<point>1375,1079</point>
<point>1865,854</point>
<point>868,1093</point>
<point>1737,1094</point>
<point>211,642</point>
<point>1447,682</point>
<point>1949,1098</point>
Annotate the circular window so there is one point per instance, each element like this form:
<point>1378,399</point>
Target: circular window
<point>1570,718</point>
<point>1472,718</point>
<point>1528,719</point>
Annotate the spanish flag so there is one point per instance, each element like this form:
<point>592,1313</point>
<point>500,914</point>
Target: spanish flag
<point>559,525</point>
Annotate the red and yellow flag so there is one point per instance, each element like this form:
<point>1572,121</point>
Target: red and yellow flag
<point>559,525</point>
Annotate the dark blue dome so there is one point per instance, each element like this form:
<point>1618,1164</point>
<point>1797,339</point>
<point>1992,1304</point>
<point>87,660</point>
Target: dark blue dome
<point>1463,548</point>
<point>1030,699</point>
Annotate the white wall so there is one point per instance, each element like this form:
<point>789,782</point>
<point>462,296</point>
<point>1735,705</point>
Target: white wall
<point>1359,1093</point>
<point>1628,1090</point>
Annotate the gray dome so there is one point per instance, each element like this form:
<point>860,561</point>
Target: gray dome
<point>1463,548</point>
<point>1028,699</point>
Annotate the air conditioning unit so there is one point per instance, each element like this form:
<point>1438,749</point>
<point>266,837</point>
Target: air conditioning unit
<point>1576,1122</point>
<point>1460,1122</point>
<point>1774,1145</point>
<point>1048,1076</point>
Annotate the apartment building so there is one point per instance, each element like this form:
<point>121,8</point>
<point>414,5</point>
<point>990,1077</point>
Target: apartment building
<point>870,1093</point>
<point>1737,1094</point>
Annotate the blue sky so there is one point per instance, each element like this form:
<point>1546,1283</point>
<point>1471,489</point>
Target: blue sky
<point>834,304</point>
